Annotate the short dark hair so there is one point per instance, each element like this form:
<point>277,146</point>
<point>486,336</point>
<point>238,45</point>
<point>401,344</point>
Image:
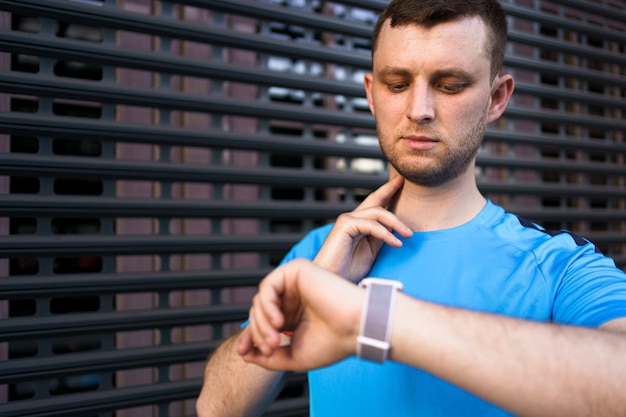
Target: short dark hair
<point>429,13</point>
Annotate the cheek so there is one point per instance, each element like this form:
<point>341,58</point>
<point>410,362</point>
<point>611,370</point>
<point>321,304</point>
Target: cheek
<point>388,110</point>
<point>469,110</point>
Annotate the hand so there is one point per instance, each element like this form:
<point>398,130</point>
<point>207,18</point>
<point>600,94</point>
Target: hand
<point>356,238</point>
<point>321,309</point>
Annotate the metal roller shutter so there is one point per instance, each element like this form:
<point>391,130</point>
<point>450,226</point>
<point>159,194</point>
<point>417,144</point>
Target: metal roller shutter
<point>157,158</point>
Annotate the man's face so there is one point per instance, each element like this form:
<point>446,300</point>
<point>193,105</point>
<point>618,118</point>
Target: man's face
<point>430,92</point>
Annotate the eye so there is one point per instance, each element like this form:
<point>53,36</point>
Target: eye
<point>397,87</point>
<point>451,88</point>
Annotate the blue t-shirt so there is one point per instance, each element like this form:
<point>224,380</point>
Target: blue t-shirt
<point>497,263</point>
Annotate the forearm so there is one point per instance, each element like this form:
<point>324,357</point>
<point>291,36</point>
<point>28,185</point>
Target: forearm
<point>528,368</point>
<point>234,388</point>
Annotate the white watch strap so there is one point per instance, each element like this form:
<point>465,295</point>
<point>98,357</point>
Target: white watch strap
<point>376,318</point>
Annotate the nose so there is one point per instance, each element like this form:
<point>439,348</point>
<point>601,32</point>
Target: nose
<point>421,105</point>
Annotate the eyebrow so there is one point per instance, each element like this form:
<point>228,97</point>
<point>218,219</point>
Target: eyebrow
<point>393,71</point>
<point>443,73</point>
<point>460,74</point>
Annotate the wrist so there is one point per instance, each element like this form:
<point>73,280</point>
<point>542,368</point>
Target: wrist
<point>414,331</point>
<point>395,339</point>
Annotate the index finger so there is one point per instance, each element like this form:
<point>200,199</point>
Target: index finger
<point>384,194</point>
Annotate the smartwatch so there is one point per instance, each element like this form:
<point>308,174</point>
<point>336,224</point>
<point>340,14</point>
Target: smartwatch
<point>376,318</point>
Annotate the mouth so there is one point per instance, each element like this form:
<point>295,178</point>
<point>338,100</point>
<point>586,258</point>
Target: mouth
<point>418,142</point>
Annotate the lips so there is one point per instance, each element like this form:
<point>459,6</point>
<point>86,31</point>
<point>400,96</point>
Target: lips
<point>421,143</point>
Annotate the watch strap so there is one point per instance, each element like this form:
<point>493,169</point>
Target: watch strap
<point>376,318</point>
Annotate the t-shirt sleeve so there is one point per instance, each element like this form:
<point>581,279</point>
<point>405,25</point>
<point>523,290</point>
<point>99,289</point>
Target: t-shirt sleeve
<point>592,290</point>
<point>309,245</point>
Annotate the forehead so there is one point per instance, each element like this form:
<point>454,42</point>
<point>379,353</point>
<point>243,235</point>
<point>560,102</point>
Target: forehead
<point>461,43</point>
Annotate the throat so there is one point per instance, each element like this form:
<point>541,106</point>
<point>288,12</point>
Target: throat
<point>424,214</point>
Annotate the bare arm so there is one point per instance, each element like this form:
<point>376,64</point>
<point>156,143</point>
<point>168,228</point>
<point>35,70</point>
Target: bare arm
<point>528,368</point>
<point>234,388</point>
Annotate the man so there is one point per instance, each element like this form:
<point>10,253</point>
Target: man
<point>498,316</point>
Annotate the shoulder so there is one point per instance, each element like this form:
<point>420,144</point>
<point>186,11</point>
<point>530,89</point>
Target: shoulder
<point>586,287</point>
<point>555,253</point>
<point>529,236</point>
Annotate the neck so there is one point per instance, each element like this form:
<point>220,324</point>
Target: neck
<point>437,208</point>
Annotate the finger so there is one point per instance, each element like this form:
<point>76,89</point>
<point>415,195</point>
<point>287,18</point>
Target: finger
<point>393,223</point>
<point>266,313</point>
<point>244,344</point>
<point>379,232</point>
<point>256,357</point>
<point>280,359</point>
<point>384,194</point>
<point>270,296</point>
<point>370,220</point>
<point>261,331</point>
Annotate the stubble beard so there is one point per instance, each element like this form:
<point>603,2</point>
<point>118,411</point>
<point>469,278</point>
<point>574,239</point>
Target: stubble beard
<point>440,168</point>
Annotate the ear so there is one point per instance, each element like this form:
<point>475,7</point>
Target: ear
<point>368,81</point>
<point>501,92</point>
